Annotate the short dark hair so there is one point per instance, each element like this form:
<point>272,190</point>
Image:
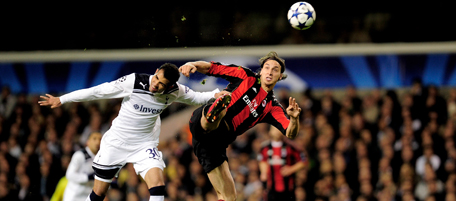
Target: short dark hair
<point>273,56</point>
<point>170,72</point>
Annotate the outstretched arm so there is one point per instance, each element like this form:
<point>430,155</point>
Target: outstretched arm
<point>293,111</point>
<point>120,88</point>
<point>191,67</point>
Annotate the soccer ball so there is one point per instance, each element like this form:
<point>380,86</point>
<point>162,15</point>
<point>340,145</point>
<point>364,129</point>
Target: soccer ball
<point>301,15</point>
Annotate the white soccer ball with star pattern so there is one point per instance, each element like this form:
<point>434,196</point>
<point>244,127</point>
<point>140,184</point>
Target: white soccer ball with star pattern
<point>301,15</point>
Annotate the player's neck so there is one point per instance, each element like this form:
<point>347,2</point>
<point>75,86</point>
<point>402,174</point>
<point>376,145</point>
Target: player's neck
<point>267,88</point>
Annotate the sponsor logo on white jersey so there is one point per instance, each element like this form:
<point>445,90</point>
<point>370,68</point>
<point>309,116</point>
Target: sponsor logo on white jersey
<point>141,108</point>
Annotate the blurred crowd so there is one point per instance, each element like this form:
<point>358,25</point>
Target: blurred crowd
<point>378,145</point>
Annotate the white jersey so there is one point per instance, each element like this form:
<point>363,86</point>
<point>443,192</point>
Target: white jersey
<point>139,116</point>
<point>79,169</point>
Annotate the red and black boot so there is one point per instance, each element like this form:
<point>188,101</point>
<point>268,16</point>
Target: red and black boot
<point>217,107</point>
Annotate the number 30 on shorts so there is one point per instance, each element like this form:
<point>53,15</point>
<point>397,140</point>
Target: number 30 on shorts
<point>154,153</point>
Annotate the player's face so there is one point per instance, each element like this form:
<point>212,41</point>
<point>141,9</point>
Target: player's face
<point>94,142</point>
<point>159,83</point>
<point>270,73</point>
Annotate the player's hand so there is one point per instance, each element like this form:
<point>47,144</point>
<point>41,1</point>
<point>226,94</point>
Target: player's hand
<point>50,100</point>
<point>293,109</point>
<point>220,94</point>
<point>187,69</point>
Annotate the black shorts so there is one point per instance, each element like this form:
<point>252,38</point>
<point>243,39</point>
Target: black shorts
<point>287,195</point>
<point>209,148</point>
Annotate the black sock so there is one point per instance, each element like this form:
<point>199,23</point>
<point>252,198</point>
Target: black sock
<point>157,190</point>
<point>95,197</point>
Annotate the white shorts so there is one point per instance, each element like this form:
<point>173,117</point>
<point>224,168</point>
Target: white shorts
<point>114,154</point>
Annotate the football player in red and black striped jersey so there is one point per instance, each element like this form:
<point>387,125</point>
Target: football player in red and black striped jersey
<point>249,100</point>
<point>279,161</point>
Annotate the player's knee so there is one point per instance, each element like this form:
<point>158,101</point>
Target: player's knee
<point>208,127</point>
<point>157,191</point>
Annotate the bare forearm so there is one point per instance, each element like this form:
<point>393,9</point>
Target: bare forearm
<point>263,166</point>
<point>293,111</point>
<point>293,128</point>
<point>201,66</point>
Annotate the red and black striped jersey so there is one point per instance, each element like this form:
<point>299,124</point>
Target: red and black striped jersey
<point>250,103</point>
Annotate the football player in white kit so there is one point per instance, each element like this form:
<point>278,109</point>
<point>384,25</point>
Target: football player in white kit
<point>80,173</point>
<point>133,136</point>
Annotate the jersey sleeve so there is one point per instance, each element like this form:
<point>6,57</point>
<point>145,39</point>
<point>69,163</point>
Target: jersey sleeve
<point>230,71</point>
<point>188,96</point>
<point>119,88</point>
<point>76,163</point>
<point>277,117</point>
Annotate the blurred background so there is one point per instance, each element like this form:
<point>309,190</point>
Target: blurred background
<point>375,79</point>
<point>40,26</point>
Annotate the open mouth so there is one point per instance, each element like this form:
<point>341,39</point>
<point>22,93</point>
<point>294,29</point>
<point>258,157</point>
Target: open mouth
<point>268,78</point>
<point>154,89</point>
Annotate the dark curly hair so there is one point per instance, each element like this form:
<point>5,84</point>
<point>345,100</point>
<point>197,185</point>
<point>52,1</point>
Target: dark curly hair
<point>170,72</point>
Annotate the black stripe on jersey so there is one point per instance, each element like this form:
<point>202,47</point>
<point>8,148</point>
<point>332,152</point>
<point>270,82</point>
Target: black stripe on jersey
<point>142,81</point>
<point>86,155</point>
<point>234,81</point>
<point>139,91</point>
<point>269,118</point>
<point>240,105</point>
<point>251,121</point>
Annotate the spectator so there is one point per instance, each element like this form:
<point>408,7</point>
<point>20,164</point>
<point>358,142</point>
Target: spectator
<point>343,149</point>
<point>7,102</point>
<point>80,174</point>
<point>427,157</point>
<point>429,184</point>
